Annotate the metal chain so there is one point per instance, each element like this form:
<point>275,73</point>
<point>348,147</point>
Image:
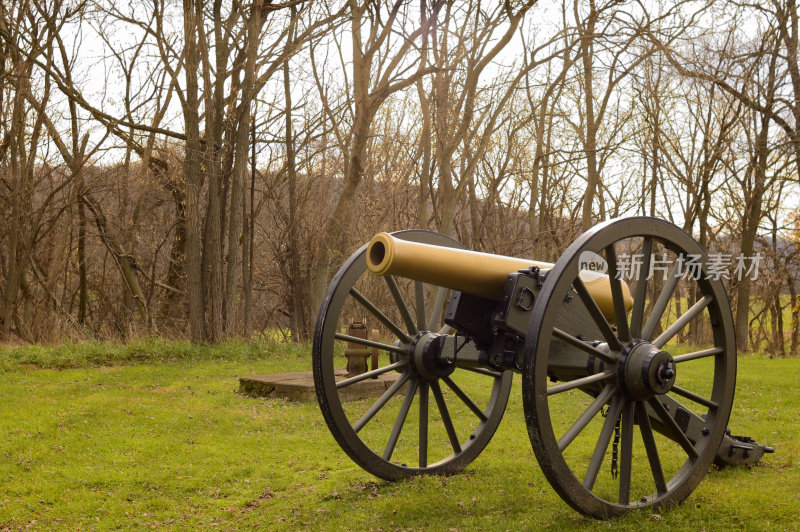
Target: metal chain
<point>614,449</point>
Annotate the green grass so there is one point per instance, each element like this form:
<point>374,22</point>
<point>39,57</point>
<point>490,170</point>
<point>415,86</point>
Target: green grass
<point>143,350</point>
<point>102,440</point>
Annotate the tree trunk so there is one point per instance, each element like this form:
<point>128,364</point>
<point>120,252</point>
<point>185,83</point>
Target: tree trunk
<point>176,270</point>
<point>235,221</point>
<point>426,146</point>
<point>213,230</point>
<point>247,240</point>
<point>795,306</point>
<point>298,327</point>
<point>20,197</point>
<point>750,221</point>
<point>125,262</point>
<point>541,160</point>
<point>195,298</point>
<point>239,174</point>
<point>82,288</point>
<point>590,130</point>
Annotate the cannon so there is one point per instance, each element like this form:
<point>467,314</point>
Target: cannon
<point>619,416</point>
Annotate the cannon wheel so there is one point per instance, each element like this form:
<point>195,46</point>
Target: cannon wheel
<point>659,464</point>
<point>464,423</point>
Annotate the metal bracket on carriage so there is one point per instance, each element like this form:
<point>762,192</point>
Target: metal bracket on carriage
<point>739,450</point>
<point>519,296</point>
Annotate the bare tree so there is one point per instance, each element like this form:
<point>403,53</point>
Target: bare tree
<point>611,48</point>
<point>463,46</point>
<point>30,191</point>
<point>380,68</point>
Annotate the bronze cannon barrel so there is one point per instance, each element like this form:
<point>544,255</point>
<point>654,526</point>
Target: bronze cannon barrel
<point>480,274</point>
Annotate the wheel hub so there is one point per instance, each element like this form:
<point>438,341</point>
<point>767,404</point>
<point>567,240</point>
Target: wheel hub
<point>427,350</point>
<point>645,370</point>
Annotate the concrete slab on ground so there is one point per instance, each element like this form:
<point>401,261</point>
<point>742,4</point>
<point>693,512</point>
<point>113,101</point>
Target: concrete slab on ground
<point>299,386</point>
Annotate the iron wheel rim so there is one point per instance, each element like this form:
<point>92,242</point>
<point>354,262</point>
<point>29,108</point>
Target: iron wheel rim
<point>331,404</point>
<point>537,351</point>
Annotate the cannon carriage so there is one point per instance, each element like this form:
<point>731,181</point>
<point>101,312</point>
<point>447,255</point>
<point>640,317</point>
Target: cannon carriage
<point>618,417</point>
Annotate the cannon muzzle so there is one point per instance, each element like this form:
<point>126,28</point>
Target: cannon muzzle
<point>480,274</point>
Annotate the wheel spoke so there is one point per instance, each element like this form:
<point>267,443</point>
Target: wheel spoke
<point>681,322</point>
<point>582,381</point>
<point>436,312</point>
<point>420,298</point>
<point>626,453</point>
<point>583,346</point>
<point>423,424</point>
<point>366,303</point>
<point>661,303</point>
<point>698,354</point>
<point>640,294</point>
<point>401,419</point>
<point>673,428</point>
<point>586,417</point>
<point>602,442</point>
<point>370,374</point>
<point>370,343</point>
<point>401,304</point>
<point>446,421</point>
<point>381,402</point>
<point>650,446</point>
<point>597,315</point>
<point>694,397</point>
<point>483,371</point>
<point>620,316</point>
<point>464,398</point>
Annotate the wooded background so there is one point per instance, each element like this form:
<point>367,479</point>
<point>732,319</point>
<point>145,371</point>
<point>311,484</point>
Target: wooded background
<point>201,168</point>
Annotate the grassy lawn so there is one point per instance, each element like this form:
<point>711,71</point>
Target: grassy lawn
<point>153,435</point>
